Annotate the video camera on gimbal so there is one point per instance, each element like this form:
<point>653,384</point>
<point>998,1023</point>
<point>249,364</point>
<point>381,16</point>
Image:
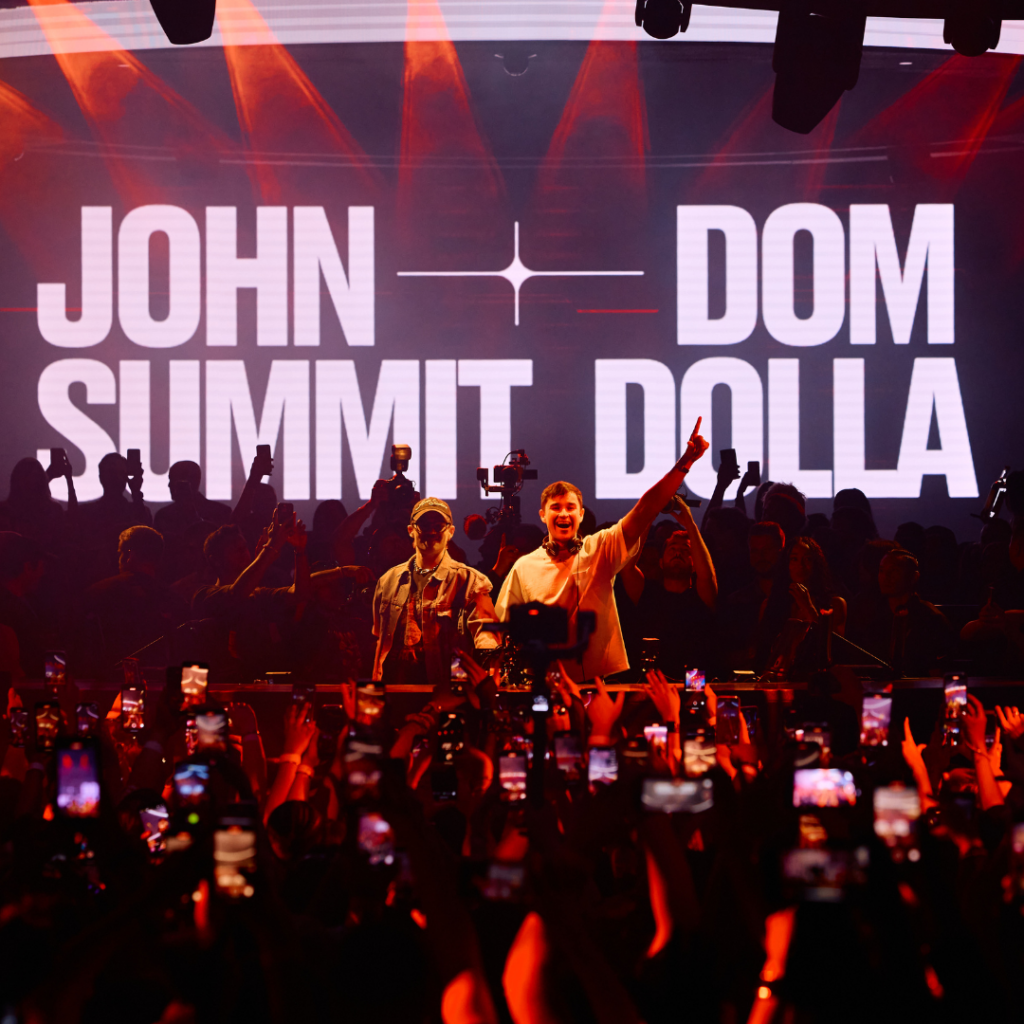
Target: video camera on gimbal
<point>509,478</point>
<point>401,495</point>
<point>540,632</point>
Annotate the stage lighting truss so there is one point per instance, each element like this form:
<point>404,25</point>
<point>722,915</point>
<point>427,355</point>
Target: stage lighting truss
<point>185,21</point>
<point>662,18</point>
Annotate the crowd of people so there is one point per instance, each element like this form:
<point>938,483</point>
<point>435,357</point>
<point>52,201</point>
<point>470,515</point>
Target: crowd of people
<point>530,843</point>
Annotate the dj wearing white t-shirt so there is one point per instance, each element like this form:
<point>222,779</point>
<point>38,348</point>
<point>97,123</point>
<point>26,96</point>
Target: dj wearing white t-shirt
<point>579,573</point>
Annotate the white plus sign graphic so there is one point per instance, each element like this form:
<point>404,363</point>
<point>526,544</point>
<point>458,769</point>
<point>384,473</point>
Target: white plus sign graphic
<point>516,273</point>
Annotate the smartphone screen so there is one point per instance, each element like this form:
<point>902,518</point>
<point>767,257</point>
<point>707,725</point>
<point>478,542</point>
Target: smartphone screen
<point>132,672</point>
<point>234,860</point>
<point>512,775</point>
<point>672,796</point>
<point>369,706</point>
<point>657,739</point>
<point>897,809</point>
<point>444,783</point>
<point>304,693</point>
<point>133,708</point>
<point>694,680</point>
<point>190,781</point>
<point>568,754</point>
<point>650,649</point>
<point>86,717</point>
<point>154,828</point>
<point>698,756</point>
<point>602,766</point>
<point>727,726</point>
<point>956,694</point>
<point>212,729</point>
<point>874,720</point>
<point>47,724</point>
<point>78,780</point>
<point>55,669</point>
<point>450,737</point>
<point>823,875</point>
<point>194,679</point>
<point>459,675</point>
<point>749,713</point>
<point>505,881</point>
<point>1016,877</point>
<point>19,726</point>
<point>191,734</point>
<point>376,839</point>
<point>823,787</point>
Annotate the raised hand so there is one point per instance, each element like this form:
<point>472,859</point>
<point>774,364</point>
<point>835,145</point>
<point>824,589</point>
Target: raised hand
<point>974,724</point>
<point>695,447</point>
<point>297,535</point>
<point>604,712</point>
<point>1011,721</point>
<point>261,466</point>
<point>298,732</point>
<point>664,696</point>
<point>912,751</point>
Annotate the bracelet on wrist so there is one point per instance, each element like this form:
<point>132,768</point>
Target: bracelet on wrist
<point>305,769</point>
<point>290,759</point>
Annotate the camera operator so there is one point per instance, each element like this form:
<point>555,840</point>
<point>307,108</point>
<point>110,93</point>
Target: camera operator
<point>426,608</point>
<point>580,573</point>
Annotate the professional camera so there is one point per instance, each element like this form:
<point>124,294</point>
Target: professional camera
<point>509,478</point>
<point>401,493</point>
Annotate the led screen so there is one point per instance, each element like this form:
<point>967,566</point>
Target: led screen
<point>328,248</point>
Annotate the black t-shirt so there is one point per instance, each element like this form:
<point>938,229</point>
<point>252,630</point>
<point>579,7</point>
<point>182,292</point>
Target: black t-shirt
<point>134,609</point>
<point>683,623</point>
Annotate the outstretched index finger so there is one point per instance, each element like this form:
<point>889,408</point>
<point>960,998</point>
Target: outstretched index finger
<point>696,429</point>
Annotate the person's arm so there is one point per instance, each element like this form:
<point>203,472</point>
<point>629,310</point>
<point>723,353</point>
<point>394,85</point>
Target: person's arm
<point>727,472</point>
<point>257,471</point>
<point>989,794</point>
<point>631,575</point>
<point>63,469</point>
<point>345,532</point>
<point>481,611</point>
<point>302,587</point>
<point>298,732</point>
<point>603,713</point>
<point>305,768</point>
<point>251,576</point>
<point>912,755</point>
<point>640,517</point>
<point>666,699</point>
<point>135,489</point>
<point>707,581</point>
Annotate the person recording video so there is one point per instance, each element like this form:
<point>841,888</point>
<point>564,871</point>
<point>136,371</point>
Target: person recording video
<point>579,573</point>
<point>425,609</point>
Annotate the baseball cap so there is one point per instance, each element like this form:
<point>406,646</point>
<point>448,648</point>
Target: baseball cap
<point>431,505</point>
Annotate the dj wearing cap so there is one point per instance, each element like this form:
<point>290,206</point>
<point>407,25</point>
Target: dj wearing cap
<point>429,607</point>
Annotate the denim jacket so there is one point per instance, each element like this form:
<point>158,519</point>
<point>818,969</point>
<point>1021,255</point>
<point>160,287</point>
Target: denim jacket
<point>456,604</point>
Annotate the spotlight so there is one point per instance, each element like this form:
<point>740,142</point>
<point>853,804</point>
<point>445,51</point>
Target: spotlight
<point>816,58</point>
<point>973,29</point>
<point>185,21</point>
<point>662,18</point>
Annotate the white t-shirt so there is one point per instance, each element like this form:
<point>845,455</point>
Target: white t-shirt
<point>581,581</point>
